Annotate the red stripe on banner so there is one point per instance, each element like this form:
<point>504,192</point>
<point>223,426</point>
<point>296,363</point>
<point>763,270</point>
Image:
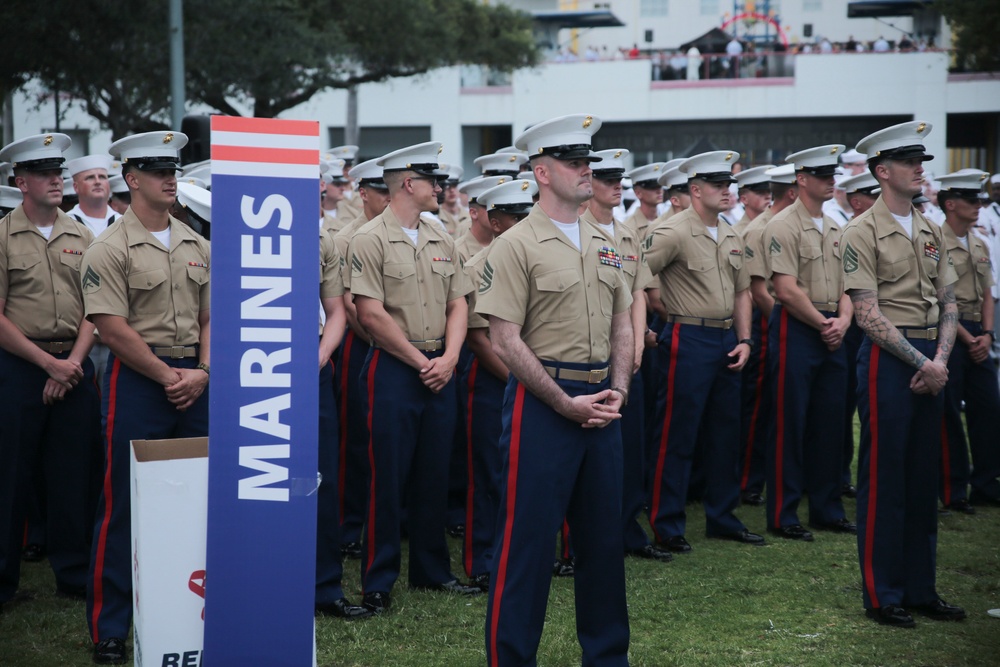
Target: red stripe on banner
<point>470,488</point>
<point>102,538</point>
<point>265,155</point>
<point>302,128</point>
<point>675,341</point>
<point>945,463</point>
<point>508,527</point>
<point>345,350</point>
<point>779,447</point>
<point>872,475</point>
<point>758,393</point>
<point>371,462</point>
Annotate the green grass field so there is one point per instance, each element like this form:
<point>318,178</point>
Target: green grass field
<point>724,604</point>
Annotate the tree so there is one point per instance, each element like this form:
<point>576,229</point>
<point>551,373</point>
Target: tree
<point>265,55</point>
<point>974,23</point>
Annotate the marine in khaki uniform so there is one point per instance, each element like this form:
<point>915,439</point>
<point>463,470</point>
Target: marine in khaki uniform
<point>972,377</point>
<point>558,307</point>
<point>410,295</point>
<point>806,361</point>
<point>704,345</point>
<point>332,186</point>
<point>454,216</point>
<point>675,190</point>
<point>754,191</point>
<point>349,358</point>
<point>900,278</point>
<point>485,378</point>
<point>649,193</point>
<point>480,231</point>
<point>146,288</point>
<point>49,411</point>
<point>349,207</point>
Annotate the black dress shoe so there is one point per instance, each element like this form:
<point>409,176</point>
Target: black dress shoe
<point>744,537</point>
<point>677,544</point>
<point>110,651</point>
<point>792,532</point>
<point>343,608</point>
<point>944,511</point>
<point>351,550</point>
<point>457,530</point>
<point>849,491</point>
<point>33,553</point>
<point>376,602</point>
<point>563,568</point>
<point>961,505</point>
<point>838,526</point>
<point>652,552</point>
<point>453,586</point>
<point>481,581</point>
<point>891,615</point>
<point>939,610</point>
<point>751,498</point>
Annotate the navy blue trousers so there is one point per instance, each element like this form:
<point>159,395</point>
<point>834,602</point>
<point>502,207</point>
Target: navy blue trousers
<point>756,413</point>
<point>976,384</point>
<point>133,407</point>
<point>633,425</point>
<point>484,400</point>
<point>697,404</point>
<point>409,451</point>
<point>57,440</point>
<point>852,343</point>
<point>329,569</point>
<point>897,480</point>
<point>352,469</point>
<point>458,476</point>
<point>554,468</point>
<point>805,450</point>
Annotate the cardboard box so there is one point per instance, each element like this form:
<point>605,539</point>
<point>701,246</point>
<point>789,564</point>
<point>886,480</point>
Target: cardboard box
<point>169,527</point>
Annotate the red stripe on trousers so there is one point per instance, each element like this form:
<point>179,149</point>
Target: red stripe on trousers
<point>371,462</point>
<point>758,392</point>
<point>470,488</point>
<point>344,381</point>
<point>565,540</point>
<point>872,475</point>
<point>675,341</point>
<point>945,463</point>
<point>508,528</point>
<point>779,445</point>
<point>102,538</point>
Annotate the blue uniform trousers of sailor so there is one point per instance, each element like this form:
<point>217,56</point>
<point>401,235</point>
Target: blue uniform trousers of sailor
<point>555,468</point>
<point>755,409</point>
<point>329,569</point>
<point>352,470</point>
<point>483,428</point>
<point>133,407</point>
<point>409,451</point>
<point>57,439</point>
<point>458,475</point>
<point>976,384</point>
<point>897,479</point>
<point>806,444</point>
<point>697,404</point>
<point>852,343</point>
<point>652,377</point>
<point>633,425</point>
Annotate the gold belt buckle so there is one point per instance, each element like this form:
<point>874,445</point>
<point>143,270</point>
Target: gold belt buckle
<point>932,333</point>
<point>176,351</point>
<point>594,377</point>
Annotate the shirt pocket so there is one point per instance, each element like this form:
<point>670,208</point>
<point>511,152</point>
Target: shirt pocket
<point>559,300</point>
<point>144,293</point>
<point>892,268</point>
<point>23,270</point>
<point>443,272</point>
<point>71,261</point>
<point>399,283</point>
<point>198,274</point>
<point>608,276</point>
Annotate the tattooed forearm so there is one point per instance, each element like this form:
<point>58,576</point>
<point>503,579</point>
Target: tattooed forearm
<point>881,330</point>
<point>948,326</point>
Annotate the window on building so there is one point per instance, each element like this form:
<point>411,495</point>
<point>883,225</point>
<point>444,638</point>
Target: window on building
<point>709,7</point>
<point>651,8</point>
<point>812,5</point>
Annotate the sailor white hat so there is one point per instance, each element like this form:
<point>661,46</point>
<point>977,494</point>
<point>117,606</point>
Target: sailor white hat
<point>511,197</point>
<point>864,183</point>
<point>612,164</point>
<point>496,164</point>
<point>421,158</point>
<point>564,138</point>
<point>818,161</point>
<point>117,184</point>
<point>782,174</point>
<point>851,157</point>
<point>964,182</point>
<point>899,142</point>
<point>39,152</point>
<point>88,162</point>
<point>368,174</point>
<point>68,189</point>
<point>713,166</point>
<point>477,186</point>
<point>646,176</point>
<point>196,199</point>
<point>754,177</point>
<point>150,150</point>
<point>10,198</point>
<point>348,153</point>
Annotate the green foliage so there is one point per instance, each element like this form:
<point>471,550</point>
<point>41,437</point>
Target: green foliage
<point>974,23</point>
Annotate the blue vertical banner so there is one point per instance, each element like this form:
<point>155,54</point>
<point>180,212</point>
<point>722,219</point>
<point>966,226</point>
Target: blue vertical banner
<point>263,456</point>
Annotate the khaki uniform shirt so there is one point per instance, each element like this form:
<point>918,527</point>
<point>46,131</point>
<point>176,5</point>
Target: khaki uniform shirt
<point>906,273</point>
<point>466,246</point>
<point>796,247</point>
<point>342,240</point>
<point>562,297</point>
<point>414,283</point>
<point>455,223</point>
<point>127,272</point>
<point>699,277</point>
<point>333,224</point>
<point>663,217</point>
<point>474,269</point>
<point>331,266</point>
<point>974,271</point>
<point>637,274</point>
<point>741,226</point>
<point>640,223</point>
<point>39,278</point>
<point>349,208</point>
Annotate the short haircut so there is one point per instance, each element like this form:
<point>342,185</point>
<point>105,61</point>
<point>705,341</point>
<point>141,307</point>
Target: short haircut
<point>779,190</point>
<point>394,180</point>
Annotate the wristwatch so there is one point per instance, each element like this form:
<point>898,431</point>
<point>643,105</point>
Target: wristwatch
<point>624,394</point>
<point>204,367</point>
<point>992,334</point>
<point>748,341</point>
